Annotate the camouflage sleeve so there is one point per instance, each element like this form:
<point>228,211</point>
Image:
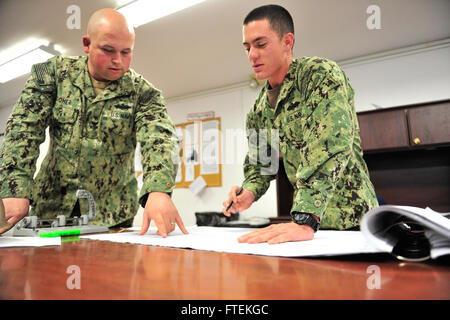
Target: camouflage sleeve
<point>328,135</point>
<point>256,177</point>
<point>155,132</point>
<point>25,131</point>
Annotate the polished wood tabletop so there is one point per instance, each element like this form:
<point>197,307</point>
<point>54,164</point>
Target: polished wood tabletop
<point>90,269</point>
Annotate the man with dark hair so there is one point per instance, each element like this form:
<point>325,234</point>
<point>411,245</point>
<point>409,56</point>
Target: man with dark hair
<point>279,18</point>
<point>310,102</point>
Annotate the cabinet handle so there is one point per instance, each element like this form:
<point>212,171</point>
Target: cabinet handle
<point>416,141</point>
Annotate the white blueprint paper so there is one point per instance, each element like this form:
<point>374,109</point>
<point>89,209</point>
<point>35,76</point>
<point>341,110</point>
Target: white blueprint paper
<point>325,243</point>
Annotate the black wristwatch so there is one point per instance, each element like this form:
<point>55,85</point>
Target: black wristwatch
<point>305,218</point>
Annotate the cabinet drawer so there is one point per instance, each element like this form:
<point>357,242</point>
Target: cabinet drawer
<point>429,124</point>
<point>384,130</point>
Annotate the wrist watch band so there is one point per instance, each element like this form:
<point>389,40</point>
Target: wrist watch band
<point>302,218</point>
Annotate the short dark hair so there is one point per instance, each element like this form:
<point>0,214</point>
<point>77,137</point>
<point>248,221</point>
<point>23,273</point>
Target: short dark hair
<point>279,18</point>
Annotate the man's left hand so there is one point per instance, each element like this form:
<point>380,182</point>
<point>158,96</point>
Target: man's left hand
<point>278,233</point>
<point>160,208</point>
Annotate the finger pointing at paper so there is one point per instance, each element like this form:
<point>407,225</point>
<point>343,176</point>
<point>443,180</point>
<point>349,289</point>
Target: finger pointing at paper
<point>160,208</point>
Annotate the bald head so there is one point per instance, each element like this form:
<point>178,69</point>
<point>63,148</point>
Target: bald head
<point>108,21</point>
<point>109,45</point>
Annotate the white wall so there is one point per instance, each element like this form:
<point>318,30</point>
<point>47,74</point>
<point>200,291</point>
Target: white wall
<point>401,77</point>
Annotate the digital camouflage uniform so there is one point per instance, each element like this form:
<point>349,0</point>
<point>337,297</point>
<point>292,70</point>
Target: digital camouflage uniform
<point>319,142</point>
<point>92,142</point>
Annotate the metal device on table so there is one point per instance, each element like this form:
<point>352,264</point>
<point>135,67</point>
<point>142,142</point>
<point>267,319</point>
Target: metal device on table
<point>32,226</point>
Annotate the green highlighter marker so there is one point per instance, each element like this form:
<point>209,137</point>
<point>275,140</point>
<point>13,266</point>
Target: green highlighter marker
<point>61,233</point>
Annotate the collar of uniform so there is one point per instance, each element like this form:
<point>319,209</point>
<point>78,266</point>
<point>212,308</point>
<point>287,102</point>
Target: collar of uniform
<point>289,81</point>
<point>287,84</point>
<point>121,87</point>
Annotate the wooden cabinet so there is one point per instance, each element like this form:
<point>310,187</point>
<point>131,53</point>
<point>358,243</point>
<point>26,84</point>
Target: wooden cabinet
<point>417,177</point>
<point>405,127</point>
<point>407,151</point>
<point>429,125</point>
<point>384,130</point>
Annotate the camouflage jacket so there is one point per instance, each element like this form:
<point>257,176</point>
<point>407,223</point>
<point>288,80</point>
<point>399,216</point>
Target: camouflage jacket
<point>319,141</point>
<point>92,142</point>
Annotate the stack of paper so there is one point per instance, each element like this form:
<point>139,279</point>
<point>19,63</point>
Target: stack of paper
<point>378,224</point>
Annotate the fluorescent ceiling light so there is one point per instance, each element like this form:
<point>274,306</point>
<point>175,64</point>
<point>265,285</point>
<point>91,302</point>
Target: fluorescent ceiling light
<point>20,48</point>
<point>140,12</point>
<point>22,64</point>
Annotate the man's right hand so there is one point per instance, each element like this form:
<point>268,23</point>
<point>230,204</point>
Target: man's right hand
<point>15,209</point>
<point>240,203</point>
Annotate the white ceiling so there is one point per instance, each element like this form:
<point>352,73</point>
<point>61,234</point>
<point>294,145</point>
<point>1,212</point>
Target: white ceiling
<point>200,48</point>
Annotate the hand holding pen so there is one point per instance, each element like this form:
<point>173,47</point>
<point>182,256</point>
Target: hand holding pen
<point>239,199</point>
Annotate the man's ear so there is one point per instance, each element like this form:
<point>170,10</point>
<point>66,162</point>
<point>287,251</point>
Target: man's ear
<point>289,39</point>
<point>86,43</point>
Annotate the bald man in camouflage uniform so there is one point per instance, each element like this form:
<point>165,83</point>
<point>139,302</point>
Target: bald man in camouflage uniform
<point>96,109</point>
<point>311,104</point>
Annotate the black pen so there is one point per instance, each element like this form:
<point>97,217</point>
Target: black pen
<point>237,193</point>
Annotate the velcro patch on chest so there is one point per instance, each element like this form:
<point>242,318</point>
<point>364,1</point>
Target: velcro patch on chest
<point>118,115</point>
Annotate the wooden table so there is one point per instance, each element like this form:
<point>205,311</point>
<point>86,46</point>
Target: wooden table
<point>107,270</point>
